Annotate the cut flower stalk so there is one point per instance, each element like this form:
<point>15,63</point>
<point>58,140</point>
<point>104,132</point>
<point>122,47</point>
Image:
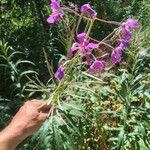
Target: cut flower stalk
<point>63,84</point>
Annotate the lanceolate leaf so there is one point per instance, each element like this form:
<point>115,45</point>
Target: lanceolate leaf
<point>13,54</point>
<point>26,72</point>
<point>23,62</point>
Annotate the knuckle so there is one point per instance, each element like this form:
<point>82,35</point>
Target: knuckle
<point>34,100</point>
<point>27,102</point>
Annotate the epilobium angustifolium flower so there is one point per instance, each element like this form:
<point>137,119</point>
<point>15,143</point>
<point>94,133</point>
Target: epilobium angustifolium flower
<point>126,27</point>
<point>86,9</point>
<point>83,46</point>
<point>132,23</point>
<point>116,55</point>
<point>57,13</point>
<point>98,66</point>
<point>59,74</point>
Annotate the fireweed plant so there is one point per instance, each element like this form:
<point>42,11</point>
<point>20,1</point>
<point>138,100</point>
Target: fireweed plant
<point>84,47</point>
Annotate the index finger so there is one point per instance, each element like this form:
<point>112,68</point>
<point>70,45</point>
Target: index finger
<point>44,107</point>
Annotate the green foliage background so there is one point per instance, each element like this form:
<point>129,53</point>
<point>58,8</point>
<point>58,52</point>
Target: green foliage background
<point>111,112</point>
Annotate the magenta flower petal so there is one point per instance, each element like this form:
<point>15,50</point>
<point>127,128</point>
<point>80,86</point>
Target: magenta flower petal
<point>83,46</point>
<point>132,23</point>
<point>50,19</point>
<point>116,55</point>
<point>123,43</point>
<point>57,13</point>
<point>59,74</point>
<point>73,49</point>
<point>86,8</point>
<point>81,37</point>
<point>127,35</point>
<point>55,6</point>
<point>119,49</point>
<point>92,45</point>
<point>54,17</point>
<point>97,67</point>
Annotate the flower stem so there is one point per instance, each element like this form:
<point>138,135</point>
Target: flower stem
<point>87,18</point>
<point>48,65</point>
<point>63,84</point>
<point>78,24</point>
<point>90,28</point>
<point>87,25</point>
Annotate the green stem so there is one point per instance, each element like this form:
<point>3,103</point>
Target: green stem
<point>87,25</point>
<point>101,43</point>
<point>48,65</point>
<point>78,24</point>
<point>90,28</point>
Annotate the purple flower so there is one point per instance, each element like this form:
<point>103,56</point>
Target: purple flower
<point>123,43</point>
<point>81,37</point>
<point>126,28</point>
<point>127,35</point>
<point>116,55</point>
<point>132,23</point>
<point>97,67</point>
<point>59,74</point>
<point>55,6</point>
<point>57,13</point>
<point>54,18</point>
<point>86,8</point>
<point>83,46</point>
<point>74,48</point>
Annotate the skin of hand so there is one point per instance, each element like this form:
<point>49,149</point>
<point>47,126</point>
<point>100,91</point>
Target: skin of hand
<point>28,120</point>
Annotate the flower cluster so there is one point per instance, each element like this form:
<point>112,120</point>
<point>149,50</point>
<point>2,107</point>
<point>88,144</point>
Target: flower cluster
<point>57,12</point>
<point>84,46</point>
<point>126,27</point>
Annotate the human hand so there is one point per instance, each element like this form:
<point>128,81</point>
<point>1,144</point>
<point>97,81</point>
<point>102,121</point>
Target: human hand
<point>28,119</point>
<point>31,116</point>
